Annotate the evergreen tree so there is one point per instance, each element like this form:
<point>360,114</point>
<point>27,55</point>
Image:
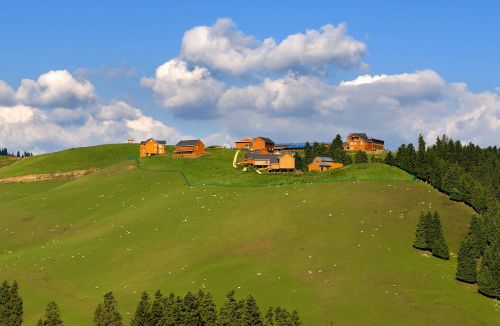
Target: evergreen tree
<point>433,229</point>
<point>439,248</point>
<point>251,313</point>
<point>299,162</point>
<point>269,318</point>
<point>14,306</point>
<point>208,309</point>
<point>52,316</point>
<point>488,278</point>
<point>143,312</point>
<point>4,299</point>
<point>478,234</point>
<point>169,310</point>
<point>231,311</point>
<point>360,157</point>
<point>308,154</point>
<point>281,317</point>
<point>295,319</point>
<point>192,314</point>
<point>467,265</point>
<point>421,233</point>
<point>157,309</point>
<point>389,159</point>
<point>106,313</point>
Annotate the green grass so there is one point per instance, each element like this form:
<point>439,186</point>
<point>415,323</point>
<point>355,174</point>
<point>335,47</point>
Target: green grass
<point>6,160</point>
<point>128,230</point>
<point>71,159</point>
<point>216,169</point>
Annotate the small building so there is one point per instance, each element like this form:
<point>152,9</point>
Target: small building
<point>271,162</point>
<point>322,163</point>
<point>152,147</point>
<point>360,141</point>
<point>262,143</point>
<point>189,148</point>
<point>245,143</point>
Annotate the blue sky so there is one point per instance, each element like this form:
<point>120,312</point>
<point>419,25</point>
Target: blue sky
<point>115,44</point>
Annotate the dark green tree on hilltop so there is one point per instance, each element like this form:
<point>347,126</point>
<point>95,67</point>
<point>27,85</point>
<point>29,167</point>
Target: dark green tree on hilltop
<point>231,312</point>
<point>52,316</point>
<point>360,157</point>
<point>467,265</point>
<point>208,309</point>
<point>106,313</point>
<point>389,159</point>
<point>157,309</point>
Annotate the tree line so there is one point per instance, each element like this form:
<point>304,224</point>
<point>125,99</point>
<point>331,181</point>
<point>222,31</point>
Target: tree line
<point>5,152</point>
<point>470,174</point>
<point>192,309</point>
<point>335,150</point>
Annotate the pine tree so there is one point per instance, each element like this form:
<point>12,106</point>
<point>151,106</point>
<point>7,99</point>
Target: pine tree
<point>488,279</point>
<point>4,299</point>
<point>478,234</point>
<point>192,310</point>
<point>467,265</point>
<point>281,317</point>
<point>433,228</point>
<point>52,316</point>
<point>389,159</point>
<point>157,309</point>
<point>14,306</point>
<point>269,318</point>
<point>208,309</point>
<point>143,311</point>
<point>421,233</point>
<point>360,157</point>
<point>439,248</point>
<point>251,313</point>
<point>295,319</point>
<point>106,313</point>
<point>231,311</point>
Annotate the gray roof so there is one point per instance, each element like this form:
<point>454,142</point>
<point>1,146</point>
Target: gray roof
<point>361,135</point>
<point>267,140</point>
<point>325,159</point>
<point>190,142</point>
<point>262,157</point>
<point>161,142</point>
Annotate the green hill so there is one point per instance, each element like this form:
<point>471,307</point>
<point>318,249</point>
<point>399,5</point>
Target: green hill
<point>338,251</point>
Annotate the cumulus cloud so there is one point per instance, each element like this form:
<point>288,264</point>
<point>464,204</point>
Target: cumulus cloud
<point>223,47</point>
<point>392,107</point>
<point>69,115</point>
<point>55,88</point>
<point>187,91</point>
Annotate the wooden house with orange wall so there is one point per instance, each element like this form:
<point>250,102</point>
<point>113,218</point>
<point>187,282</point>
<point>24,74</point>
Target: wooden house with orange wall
<point>260,143</point>
<point>152,147</point>
<point>189,148</point>
<point>321,163</point>
<point>245,143</point>
<point>360,141</point>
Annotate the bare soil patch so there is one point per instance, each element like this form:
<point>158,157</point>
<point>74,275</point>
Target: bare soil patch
<point>47,176</point>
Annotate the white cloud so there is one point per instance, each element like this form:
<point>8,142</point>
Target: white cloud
<point>55,88</point>
<point>392,107</point>
<point>223,47</point>
<point>191,90</point>
<point>64,117</point>
<point>7,94</point>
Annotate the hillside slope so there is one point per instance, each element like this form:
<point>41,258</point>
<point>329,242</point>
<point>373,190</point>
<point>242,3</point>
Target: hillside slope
<point>337,251</point>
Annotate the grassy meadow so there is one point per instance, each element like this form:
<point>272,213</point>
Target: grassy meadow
<point>337,251</point>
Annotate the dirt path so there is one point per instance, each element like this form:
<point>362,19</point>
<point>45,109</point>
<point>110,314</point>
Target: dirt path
<point>47,176</point>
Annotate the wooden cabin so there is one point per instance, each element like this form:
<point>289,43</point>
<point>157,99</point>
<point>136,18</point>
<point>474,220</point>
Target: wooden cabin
<point>189,148</point>
<point>361,142</point>
<point>245,143</point>
<point>152,147</point>
<point>321,163</point>
<point>260,143</point>
<point>271,162</point>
